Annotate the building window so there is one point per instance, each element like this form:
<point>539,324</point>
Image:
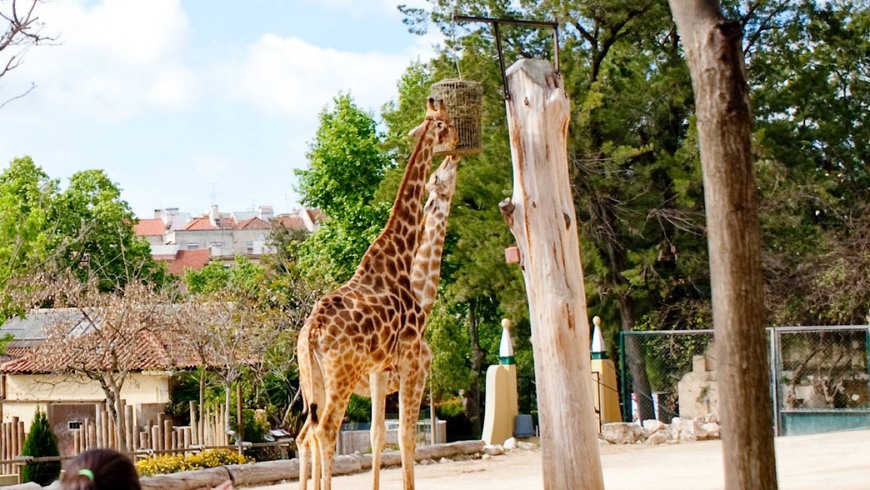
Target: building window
<point>249,246</point>
<point>192,246</point>
<point>217,244</point>
<point>75,425</point>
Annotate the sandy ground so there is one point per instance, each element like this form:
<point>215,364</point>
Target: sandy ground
<point>836,461</point>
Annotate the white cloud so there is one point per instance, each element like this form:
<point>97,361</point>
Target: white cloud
<point>112,60</point>
<point>363,7</point>
<point>290,77</point>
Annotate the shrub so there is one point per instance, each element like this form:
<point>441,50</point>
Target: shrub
<point>256,425</point>
<point>40,442</point>
<point>174,463</point>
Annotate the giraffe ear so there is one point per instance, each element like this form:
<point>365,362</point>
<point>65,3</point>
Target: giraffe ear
<point>416,131</point>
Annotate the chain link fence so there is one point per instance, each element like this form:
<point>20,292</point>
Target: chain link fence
<point>664,357</point>
<point>820,376</point>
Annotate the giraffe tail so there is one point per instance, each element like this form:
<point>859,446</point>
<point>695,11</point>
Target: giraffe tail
<point>315,374</point>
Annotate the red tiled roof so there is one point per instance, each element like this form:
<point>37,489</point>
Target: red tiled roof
<point>254,223</point>
<point>145,352</point>
<point>291,222</point>
<point>189,259</point>
<point>149,227</point>
<point>200,223</point>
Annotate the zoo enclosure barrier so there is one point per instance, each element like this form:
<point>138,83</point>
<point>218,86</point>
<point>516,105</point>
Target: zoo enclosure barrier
<point>820,376</point>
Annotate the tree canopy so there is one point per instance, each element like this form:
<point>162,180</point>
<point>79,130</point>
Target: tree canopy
<point>346,165</point>
<point>86,228</point>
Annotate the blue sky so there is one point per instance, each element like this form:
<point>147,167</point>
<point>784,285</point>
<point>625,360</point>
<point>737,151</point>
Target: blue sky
<point>186,103</point>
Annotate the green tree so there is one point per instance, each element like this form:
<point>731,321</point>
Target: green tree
<point>94,233</point>
<point>252,314</point>
<point>811,97</point>
<point>26,199</point>
<point>346,165</point>
<point>86,228</point>
<point>40,443</point>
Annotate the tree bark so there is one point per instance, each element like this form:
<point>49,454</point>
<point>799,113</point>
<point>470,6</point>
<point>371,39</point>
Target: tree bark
<point>478,356</point>
<point>541,217</point>
<point>715,57</point>
<point>640,385</point>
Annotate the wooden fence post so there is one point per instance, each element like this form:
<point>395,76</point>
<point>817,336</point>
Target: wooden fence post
<point>541,217</point>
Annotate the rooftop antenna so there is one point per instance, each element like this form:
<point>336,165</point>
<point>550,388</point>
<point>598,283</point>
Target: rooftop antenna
<point>213,192</point>
<point>495,22</point>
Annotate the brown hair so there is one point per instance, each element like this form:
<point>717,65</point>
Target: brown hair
<point>100,469</point>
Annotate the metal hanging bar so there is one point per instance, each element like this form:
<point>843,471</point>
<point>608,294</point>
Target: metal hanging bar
<point>516,22</point>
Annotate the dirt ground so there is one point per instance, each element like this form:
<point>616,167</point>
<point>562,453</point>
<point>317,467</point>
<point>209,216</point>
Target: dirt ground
<point>839,460</point>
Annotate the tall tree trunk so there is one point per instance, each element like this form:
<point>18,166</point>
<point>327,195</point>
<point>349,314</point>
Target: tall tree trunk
<point>542,218</point>
<point>200,435</point>
<point>715,57</point>
<point>615,254</point>
<point>640,384</point>
<point>471,400</point>
<point>240,418</point>
<point>112,390</point>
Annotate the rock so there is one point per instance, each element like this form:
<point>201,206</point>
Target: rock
<point>710,418</point>
<point>652,426</point>
<point>510,444</point>
<point>426,462</point>
<point>659,437</point>
<point>697,429</point>
<point>712,430</point>
<point>485,457</point>
<point>526,446</point>
<point>445,460</point>
<point>623,433</point>
<point>450,449</point>
<point>493,449</point>
<point>706,430</point>
<point>365,460</point>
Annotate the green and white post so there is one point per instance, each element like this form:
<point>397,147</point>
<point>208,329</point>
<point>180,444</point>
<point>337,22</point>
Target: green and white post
<point>502,406</point>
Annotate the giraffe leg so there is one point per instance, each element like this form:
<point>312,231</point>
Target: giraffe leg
<point>326,431</point>
<point>378,385</point>
<point>412,386</point>
<point>303,448</point>
<point>316,461</point>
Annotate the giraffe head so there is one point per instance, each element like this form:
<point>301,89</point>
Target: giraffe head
<point>443,180</point>
<point>437,125</point>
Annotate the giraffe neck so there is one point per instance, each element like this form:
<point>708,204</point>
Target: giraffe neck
<point>426,267</point>
<point>401,233</point>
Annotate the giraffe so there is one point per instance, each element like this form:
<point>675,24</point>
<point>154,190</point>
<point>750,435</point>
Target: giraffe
<point>372,324</point>
<point>425,273</point>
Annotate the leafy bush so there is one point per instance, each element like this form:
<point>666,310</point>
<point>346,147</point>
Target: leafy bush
<point>359,409</point>
<point>40,442</point>
<point>449,409</point>
<point>174,463</point>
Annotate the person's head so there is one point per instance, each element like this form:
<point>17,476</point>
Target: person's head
<point>100,469</point>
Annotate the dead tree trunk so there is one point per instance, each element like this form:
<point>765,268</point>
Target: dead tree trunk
<point>541,217</point>
<point>715,57</point>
